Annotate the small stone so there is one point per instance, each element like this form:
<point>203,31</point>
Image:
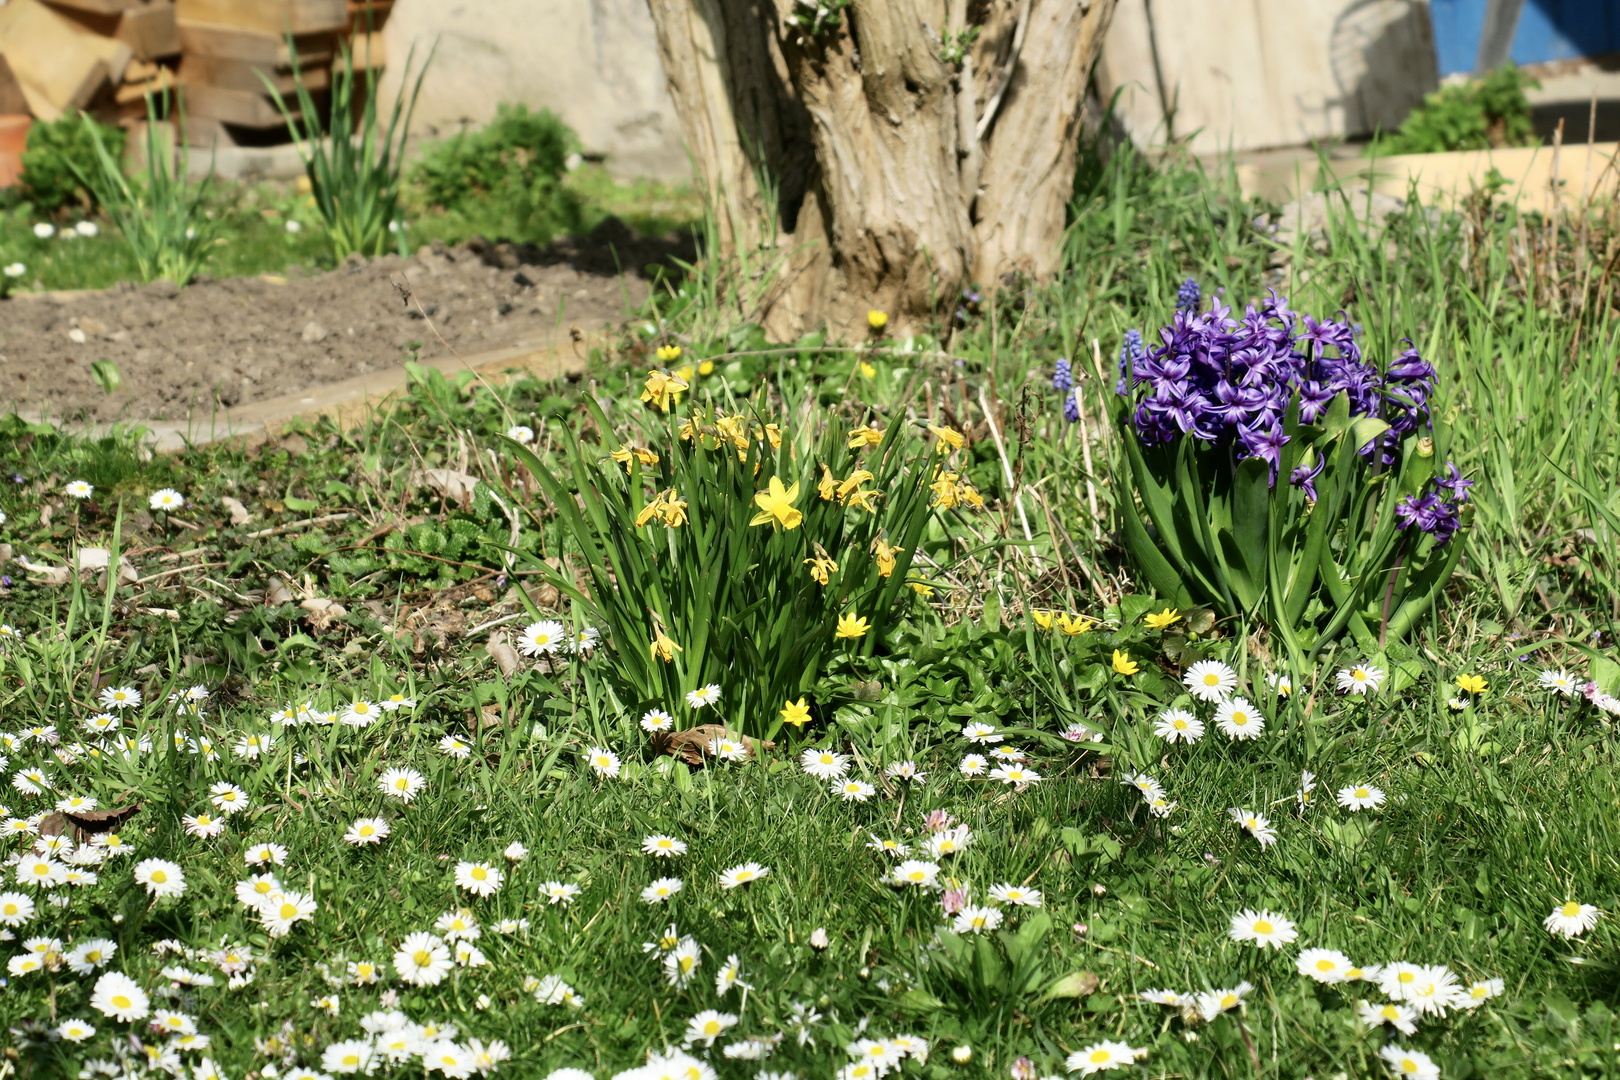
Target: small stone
<point>313,333</point>
<point>163,288</point>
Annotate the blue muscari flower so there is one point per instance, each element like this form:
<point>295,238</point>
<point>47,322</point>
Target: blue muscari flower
<point>1189,296</point>
<point>1063,378</point>
<point>1071,407</point>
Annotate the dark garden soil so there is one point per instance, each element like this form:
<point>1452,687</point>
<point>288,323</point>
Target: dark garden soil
<point>230,342</point>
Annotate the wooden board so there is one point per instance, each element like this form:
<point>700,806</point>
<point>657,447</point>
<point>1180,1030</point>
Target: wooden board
<point>233,106</point>
<point>135,90</point>
<point>367,51</point>
<point>151,30</point>
<point>362,21</point>
<point>234,43</point>
<point>98,7</point>
<point>245,75</point>
<point>58,64</point>
<point>267,16</point>
<point>12,101</point>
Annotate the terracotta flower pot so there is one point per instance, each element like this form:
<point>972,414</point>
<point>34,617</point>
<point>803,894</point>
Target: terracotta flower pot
<point>13,138</point>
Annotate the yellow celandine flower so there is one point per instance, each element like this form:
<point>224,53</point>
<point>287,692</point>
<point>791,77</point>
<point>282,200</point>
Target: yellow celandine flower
<point>849,626</point>
<point>1124,664</point>
<point>1472,684</point>
<point>865,436</point>
<point>661,389</point>
<point>706,368</point>
<point>686,373</point>
<point>669,353</point>
<point>949,438</point>
<point>796,713</point>
<point>877,320</point>
<point>885,556</point>
<point>776,505</point>
<point>1078,624</point>
<point>1043,617</point>
<point>662,647</point>
<point>1163,619</point>
<point>821,567</point>
<point>867,370</point>
<point>921,587</point>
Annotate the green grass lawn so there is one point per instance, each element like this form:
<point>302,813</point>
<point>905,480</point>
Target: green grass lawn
<point>1032,917</point>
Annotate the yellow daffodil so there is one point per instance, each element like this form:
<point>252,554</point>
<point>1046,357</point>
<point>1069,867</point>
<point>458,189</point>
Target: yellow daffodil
<point>949,438</point>
<point>674,511</point>
<point>669,353</point>
<point>863,499</point>
<point>821,567</point>
<point>706,368</point>
<point>661,389</point>
<point>969,494</point>
<point>654,508</point>
<point>1073,624</point>
<point>624,453</point>
<point>1043,618</point>
<point>856,479</point>
<point>646,456</point>
<point>1124,664</point>
<point>877,320</point>
<point>865,436</point>
<point>771,434</point>
<point>734,429</point>
<point>1472,684</point>
<point>885,556</point>
<point>849,626</point>
<point>944,486</point>
<point>776,505</point>
<point>868,371</point>
<point>921,587</point>
<point>828,488</point>
<point>662,647</point>
<point>796,713</point>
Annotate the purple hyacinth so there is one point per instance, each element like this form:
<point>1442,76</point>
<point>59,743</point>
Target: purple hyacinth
<point>1231,381</point>
<point>1433,513</point>
<point>1189,296</point>
<point>1063,378</point>
<point>1454,483</point>
<point>1304,477</point>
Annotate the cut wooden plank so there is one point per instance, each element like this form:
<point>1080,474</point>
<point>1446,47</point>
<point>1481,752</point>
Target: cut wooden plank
<point>151,30</point>
<point>245,75</point>
<point>12,101</point>
<point>268,16</point>
<point>234,43</point>
<point>136,90</point>
<point>233,106</point>
<point>58,64</point>
<point>367,51</point>
<point>368,17</point>
<point>98,7</point>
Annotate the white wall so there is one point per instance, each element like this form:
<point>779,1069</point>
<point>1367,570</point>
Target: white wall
<point>1251,74</point>
<point>594,62</point>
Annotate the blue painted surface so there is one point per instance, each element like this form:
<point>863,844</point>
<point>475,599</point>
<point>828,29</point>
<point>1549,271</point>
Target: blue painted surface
<point>1548,30</point>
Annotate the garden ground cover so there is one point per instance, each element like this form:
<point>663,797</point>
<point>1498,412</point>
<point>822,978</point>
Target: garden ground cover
<point>865,896</point>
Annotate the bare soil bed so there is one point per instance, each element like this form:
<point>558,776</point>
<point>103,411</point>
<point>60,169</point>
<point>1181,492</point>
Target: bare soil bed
<point>229,342</point>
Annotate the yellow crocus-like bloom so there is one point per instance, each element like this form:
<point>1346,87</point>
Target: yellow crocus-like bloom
<point>864,499</point>
<point>661,389</point>
<point>1043,618</point>
<point>856,479</point>
<point>796,713</point>
<point>885,556</point>
<point>868,371</point>
<point>669,353</point>
<point>877,320</point>
<point>849,626</point>
<point>949,438</point>
<point>776,505</point>
<point>1163,619</point>
<point>1472,684</point>
<point>828,488</point>
<point>865,436</point>
<point>1124,664</point>
<point>1073,624</point>
<point>821,567</point>
<point>662,647</point>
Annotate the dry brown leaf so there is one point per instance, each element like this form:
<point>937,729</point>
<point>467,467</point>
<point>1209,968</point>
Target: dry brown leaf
<point>692,745</point>
<point>456,487</point>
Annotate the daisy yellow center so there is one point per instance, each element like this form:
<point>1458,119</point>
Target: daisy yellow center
<point>401,784</point>
<point>1179,724</point>
<point>1389,1012</point>
<point>94,956</point>
<point>121,1001</point>
<point>479,873</point>
<point>351,1059</point>
<point>1210,679</point>
<point>978,921</point>
<point>1359,675</point>
<point>712,1027</point>
<point>363,970</point>
<point>11,909</point>
<point>1325,965</point>
<point>1409,1066</point>
<point>686,964</point>
<point>422,958</point>
<point>1361,793</point>
<point>1262,927</point>
<point>1570,910</point>
<point>1100,1056</point>
<point>917,875</point>
<point>289,910</point>
<point>366,830</point>
<point>262,888</point>
<point>664,843</point>
<point>1406,977</point>
<point>159,877</point>
<point>1240,718</point>
<point>1477,992</point>
<point>826,759</point>
<point>1228,1000</point>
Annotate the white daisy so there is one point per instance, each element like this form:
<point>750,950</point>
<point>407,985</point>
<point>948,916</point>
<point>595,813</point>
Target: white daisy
<point>824,764</point>
<point>560,893</point>
<point>742,874</point>
<point>479,878</point>
<point>977,920</point>
<point>120,697</point>
<point>1239,719</point>
<point>1559,682</point>
<point>603,762</point>
<point>664,847</point>
<point>1571,919</point>
<point>1017,895</point>
<point>1359,679</point>
<point>1210,680</point>
<point>166,499</point>
<point>1266,929</point>
<point>924,875</point>
<point>853,790</point>
<point>422,960</point>
<point>656,720</point>
<point>1413,1064</point>
<point>1102,1056</point>
<point>360,714</point>
<point>703,695</point>
<point>1214,1002</point>
<point>660,890</point>
<point>1323,965</point>
<point>979,732</point>
<point>544,638</point>
<point>1360,797</point>
<point>367,831</point>
<point>1396,1015</point>
<point>78,489</point>
<point>973,765</point>
<point>1178,725</point>
<point>119,997</point>
<point>401,784</point>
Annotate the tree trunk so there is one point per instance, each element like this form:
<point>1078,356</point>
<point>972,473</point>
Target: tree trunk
<point>867,164</point>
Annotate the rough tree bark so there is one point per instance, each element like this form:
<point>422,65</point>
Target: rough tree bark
<point>861,167</point>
